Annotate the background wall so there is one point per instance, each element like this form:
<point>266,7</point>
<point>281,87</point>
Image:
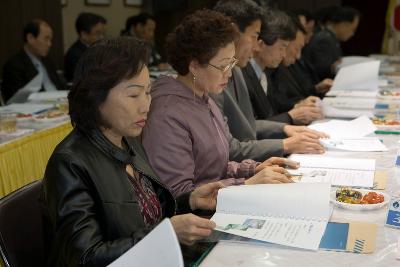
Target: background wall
<point>116,15</point>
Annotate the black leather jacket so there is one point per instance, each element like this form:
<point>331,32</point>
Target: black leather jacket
<point>91,215</point>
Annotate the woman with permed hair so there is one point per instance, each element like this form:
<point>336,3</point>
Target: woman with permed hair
<point>186,137</point>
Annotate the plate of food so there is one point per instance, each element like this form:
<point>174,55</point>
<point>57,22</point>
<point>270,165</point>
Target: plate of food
<point>359,199</point>
<point>51,116</point>
<point>387,124</point>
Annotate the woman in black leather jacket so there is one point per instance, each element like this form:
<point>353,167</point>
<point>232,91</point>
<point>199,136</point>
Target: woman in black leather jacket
<point>100,196</point>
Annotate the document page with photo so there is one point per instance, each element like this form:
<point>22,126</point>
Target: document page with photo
<point>337,171</point>
<point>287,214</point>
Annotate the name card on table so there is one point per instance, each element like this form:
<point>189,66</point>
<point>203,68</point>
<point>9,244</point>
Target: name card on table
<point>393,216</point>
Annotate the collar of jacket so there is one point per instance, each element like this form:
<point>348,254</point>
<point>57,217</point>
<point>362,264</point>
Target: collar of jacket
<point>134,154</point>
<point>100,141</point>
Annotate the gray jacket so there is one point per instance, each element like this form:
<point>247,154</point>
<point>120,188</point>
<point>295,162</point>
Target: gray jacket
<point>235,104</point>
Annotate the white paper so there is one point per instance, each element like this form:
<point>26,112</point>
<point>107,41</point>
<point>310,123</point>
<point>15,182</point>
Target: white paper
<point>327,162</point>
<point>351,60</point>
<point>287,214</point>
<point>342,129</point>
<point>361,76</point>
<point>48,96</point>
<point>351,102</point>
<point>336,177</point>
<point>371,144</point>
<point>331,112</point>
<point>353,93</point>
<point>26,108</point>
<point>159,248</point>
<point>337,171</point>
<point>23,93</point>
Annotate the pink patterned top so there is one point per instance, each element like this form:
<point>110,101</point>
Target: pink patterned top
<point>149,204</point>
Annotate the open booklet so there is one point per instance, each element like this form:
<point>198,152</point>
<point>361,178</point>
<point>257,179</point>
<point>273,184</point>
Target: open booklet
<point>337,171</point>
<point>293,215</point>
<point>159,248</point>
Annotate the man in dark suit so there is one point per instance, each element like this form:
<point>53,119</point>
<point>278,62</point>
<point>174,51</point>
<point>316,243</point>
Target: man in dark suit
<point>276,33</point>
<point>29,70</point>
<point>143,26</point>
<point>90,28</point>
<point>293,83</point>
<point>324,50</point>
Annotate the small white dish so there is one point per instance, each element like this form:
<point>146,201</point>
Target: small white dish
<point>361,207</point>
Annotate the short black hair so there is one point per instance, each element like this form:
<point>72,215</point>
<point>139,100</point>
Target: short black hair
<point>103,65</point>
<point>33,27</point>
<point>276,25</point>
<point>86,21</point>
<point>296,22</point>
<point>242,12</point>
<point>303,12</point>
<point>343,14</point>
<point>141,18</point>
<point>322,15</point>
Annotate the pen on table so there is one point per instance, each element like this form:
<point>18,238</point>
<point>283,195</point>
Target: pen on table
<point>386,132</point>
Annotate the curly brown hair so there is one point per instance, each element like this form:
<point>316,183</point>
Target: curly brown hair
<point>199,37</point>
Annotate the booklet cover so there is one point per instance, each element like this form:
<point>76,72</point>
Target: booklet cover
<point>293,215</point>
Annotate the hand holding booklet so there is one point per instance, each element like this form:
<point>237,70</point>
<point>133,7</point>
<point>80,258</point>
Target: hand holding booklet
<point>287,214</point>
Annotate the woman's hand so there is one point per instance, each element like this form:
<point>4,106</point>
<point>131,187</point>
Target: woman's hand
<point>270,175</point>
<point>275,161</point>
<point>205,197</point>
<point>189,228</point>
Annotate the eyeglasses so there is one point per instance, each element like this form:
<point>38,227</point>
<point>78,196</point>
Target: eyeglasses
<point>227,67</point>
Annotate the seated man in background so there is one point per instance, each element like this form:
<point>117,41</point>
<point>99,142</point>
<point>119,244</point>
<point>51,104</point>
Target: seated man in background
<point>276,33</point>
<point>90,28</point>
<point>324,50</point>
<point>308,21</point>
<point>30,70</point>
<point>290,84</point>
<point>143,27</point>
<point>235,103</point>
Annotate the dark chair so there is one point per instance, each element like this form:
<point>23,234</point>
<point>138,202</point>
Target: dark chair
<point>21,233</point>
<point>2,103</point>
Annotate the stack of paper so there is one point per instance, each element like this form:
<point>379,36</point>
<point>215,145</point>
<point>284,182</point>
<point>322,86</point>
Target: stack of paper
<point>361,76</point>
<point>49,96</point>
<point>288,214</point>
<point>336,171</point>
<point>350,102</point>
<point>26,108</point>
<point>350,135</point>
<point>351,60</point>
<point>159,248</point>
<point>341,129</point>
<point>332,112</point>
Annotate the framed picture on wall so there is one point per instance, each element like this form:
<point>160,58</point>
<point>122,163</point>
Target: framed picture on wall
<point>133,2</point>
<point>98,2</point>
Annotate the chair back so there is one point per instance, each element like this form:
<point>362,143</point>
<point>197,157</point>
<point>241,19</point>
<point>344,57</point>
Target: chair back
<point>21,230</point>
